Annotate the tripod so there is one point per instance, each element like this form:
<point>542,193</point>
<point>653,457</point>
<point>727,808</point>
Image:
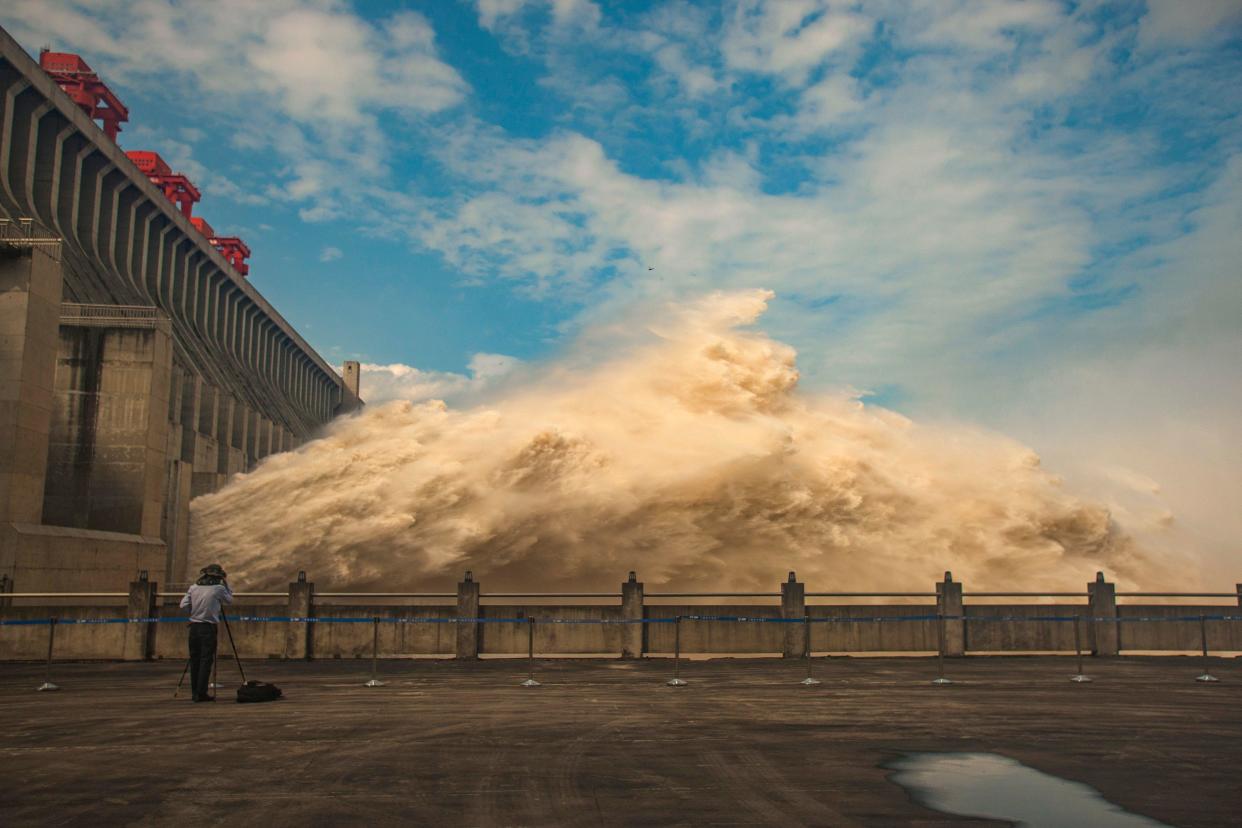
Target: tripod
<point>215,661</point>
<point>233,645</point>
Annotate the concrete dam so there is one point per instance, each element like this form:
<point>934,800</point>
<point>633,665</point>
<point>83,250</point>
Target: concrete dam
<point>140,367</point>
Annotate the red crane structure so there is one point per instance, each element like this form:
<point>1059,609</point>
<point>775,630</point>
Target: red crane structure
<point>87,90</point>
<point>231,248</point>
<point>77,78</point>
<point>176,186</point>
<point>235,250</point>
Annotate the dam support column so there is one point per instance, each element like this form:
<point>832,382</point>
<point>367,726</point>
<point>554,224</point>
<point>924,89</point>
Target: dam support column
<point>299,640</point>
<point>793,608</point>
<point>140,638</point>
<point>30,294</point>
<point>1102,601</point>
<point>467,611</point>
<point>949,608</point>
<point>634,632</point>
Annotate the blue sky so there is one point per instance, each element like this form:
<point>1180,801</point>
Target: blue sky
<point>1020,214</point>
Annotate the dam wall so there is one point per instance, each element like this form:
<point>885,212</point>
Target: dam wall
<point>139,368</point>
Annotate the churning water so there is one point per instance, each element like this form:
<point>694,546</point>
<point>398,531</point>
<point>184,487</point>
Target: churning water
<point>997,787</point>
<point>682,448</point>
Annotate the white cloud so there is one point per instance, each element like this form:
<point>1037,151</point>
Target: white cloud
<point>497,14</point>
<point>986,25</point>
<point>310,81</point>
<point>790,38</point>
<point>330,254</point>
<point>383,383</point>
<point>1181,23</point>
<point>316,62</point>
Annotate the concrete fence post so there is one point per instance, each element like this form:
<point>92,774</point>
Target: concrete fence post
<point>1102,601</point>
<point>300,637</point>
<point>949,607</point>
<point>793,607</point>
<point>634,633</point>
<point>467,609</point>
<point>140,638</point>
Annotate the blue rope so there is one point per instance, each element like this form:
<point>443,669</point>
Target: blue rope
<point>282,619</point>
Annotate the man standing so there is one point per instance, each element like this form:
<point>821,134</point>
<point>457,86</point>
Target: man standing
<point>203,599</point>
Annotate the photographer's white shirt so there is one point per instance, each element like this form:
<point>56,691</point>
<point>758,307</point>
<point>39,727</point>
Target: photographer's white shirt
<point>203,602</point>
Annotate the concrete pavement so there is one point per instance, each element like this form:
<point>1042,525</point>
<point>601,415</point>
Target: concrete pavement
<point>604,742</point>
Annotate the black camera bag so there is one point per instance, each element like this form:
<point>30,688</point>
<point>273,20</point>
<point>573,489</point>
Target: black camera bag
<point>257,691</point>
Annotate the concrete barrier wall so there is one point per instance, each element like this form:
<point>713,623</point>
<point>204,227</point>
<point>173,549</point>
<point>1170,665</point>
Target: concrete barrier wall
<point>353,640</point>
<point>411,630</point>
<point>1177,635</point>
<point>551,639</point>
<point>715,636</point>
<point>254,639</point>
<point>73,641</point>
<point>1001,636</point>
<point>884,636</point>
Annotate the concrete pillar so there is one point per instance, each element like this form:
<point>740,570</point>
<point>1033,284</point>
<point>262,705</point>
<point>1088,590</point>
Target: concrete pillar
<point>108,445</point>
<point>1102,601</point>
<point>467,608</point>
<point>299,639</point>
<point>181,488</point>
<point>208,412</point>
<point>224,433</point>
<point>30,293</point>
<point>190,413</point>
<point>949,605</point>
<point>140,638</point>
<point>633,634</point>
<point>350,388</point>
<point>793,606</point>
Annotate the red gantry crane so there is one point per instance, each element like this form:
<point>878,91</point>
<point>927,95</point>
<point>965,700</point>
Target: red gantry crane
<point>231,247</point>
<point>235,250</point>
<point>87,90</point>
<point>97,100</point>
<point>176,186</point>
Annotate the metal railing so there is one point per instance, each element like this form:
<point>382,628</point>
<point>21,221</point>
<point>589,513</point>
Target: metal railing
<point>21,233</point>
<point>803,650</point>
<point>129,316</point>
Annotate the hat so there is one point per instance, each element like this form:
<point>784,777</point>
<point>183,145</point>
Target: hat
<point>213,569</point>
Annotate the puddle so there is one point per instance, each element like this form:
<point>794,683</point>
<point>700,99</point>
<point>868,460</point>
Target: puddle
<point>997,787</point>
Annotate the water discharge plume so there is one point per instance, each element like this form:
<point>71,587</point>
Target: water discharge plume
<point>690,457</point>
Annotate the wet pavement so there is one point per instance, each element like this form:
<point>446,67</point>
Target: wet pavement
<point>605,742</point>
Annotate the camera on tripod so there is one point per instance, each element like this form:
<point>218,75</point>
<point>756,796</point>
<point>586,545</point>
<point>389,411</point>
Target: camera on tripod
<point>212,575</point>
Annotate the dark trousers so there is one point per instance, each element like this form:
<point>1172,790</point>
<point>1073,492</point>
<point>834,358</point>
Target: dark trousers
<point>202,656</point>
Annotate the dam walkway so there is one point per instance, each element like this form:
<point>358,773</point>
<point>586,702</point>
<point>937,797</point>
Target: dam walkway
<point>605,741</point>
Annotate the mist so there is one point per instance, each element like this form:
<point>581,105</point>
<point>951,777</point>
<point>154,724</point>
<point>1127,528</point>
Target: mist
<point>686,452</point>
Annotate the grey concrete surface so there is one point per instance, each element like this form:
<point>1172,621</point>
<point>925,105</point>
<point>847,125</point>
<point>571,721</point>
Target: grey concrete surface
<point>603,742</point>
